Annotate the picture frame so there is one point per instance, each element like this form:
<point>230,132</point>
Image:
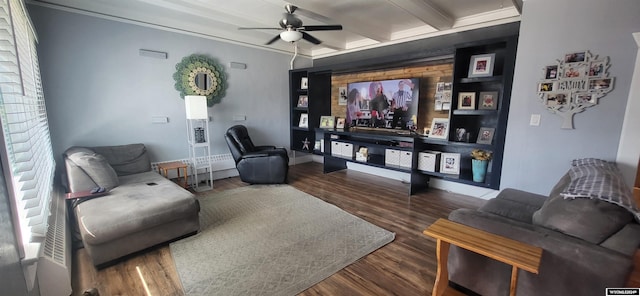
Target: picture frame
<point>557,99</point>
<point>485,135</point>
<point>467,100</point>
<point>481,65</point>
<point>462,135</point>
<point>600,84</point>
<point>546,86</point>
<point>304,120</point>
<point>576,70</point>
<point>342,95</point>
<point>584,99</point>
<point>596,68</point>
<point>575,57</point>
<point>304,83</point>
<point>488,100</point>
<point>450,163</point>
<point>340,122</point>
<point>303,101</point>
<point>439,128</point>
<point>551,72</point>
<point>327,122</point>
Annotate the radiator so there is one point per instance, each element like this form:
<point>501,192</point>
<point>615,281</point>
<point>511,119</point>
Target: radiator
<point>54,262</point>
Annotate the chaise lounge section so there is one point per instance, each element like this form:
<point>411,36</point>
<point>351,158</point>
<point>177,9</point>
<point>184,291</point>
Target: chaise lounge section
<point>142,209</point>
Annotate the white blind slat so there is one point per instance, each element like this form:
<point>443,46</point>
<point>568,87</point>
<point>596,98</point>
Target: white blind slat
<point>24,120</point>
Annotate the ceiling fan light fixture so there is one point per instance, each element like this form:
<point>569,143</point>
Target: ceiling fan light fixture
<point>291,35</point>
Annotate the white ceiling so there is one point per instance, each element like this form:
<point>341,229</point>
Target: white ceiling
<point>366,23</point>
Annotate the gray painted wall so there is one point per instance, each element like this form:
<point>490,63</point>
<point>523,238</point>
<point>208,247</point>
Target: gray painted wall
<point>100,91</point>
<point>535,157</point>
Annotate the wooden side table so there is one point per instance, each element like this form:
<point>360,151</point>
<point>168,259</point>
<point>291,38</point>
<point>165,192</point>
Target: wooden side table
<point>164,168</point>
<point>512,252</point>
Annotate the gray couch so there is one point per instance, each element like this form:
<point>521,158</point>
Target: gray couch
<point>142,209</point>
<point>587,243</point>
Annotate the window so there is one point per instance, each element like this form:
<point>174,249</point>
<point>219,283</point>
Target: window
<point>25,127</point>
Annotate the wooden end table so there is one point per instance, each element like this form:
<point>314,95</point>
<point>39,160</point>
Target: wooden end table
<point>512,252</point>
<point>164,168</point>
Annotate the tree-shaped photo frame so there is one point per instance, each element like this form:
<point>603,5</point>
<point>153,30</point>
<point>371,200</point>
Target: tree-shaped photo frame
<point>573,84</point>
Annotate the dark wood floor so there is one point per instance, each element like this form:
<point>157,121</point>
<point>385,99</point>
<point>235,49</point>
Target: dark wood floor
<point>406,266</point>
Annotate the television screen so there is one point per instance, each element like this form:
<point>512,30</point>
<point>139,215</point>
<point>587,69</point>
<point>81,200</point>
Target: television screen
<point>391,104</point>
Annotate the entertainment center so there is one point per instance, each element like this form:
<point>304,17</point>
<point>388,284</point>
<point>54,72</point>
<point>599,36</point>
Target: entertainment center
<point>479,77</point>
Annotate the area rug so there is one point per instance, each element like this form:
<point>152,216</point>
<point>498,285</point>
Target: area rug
<point>270,240</point>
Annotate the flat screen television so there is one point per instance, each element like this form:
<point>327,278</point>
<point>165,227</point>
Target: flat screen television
<point>388,104</point>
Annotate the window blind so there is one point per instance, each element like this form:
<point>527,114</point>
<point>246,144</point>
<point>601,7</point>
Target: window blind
<point>24,123</point>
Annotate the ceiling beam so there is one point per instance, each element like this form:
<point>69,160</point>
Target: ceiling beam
<point>518,5</point>
<point>427,12</point>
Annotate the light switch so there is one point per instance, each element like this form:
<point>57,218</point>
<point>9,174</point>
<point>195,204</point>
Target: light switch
<point>535,120</point>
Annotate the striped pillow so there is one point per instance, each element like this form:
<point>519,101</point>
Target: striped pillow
<point>598,179</point>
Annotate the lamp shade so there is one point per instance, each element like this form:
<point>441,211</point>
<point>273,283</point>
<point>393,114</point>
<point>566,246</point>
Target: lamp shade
<point>291,36</point>
<point>196,107</point>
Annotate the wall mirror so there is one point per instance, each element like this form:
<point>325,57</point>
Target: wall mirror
<point>200,75</point>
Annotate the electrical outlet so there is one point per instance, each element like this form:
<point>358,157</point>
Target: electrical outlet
<point>535,120</point>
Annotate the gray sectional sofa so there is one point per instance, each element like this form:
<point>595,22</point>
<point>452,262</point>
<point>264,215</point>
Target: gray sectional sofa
<point>142,209</point>
<point>587,227</point>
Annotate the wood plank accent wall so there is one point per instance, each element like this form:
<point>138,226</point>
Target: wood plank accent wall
<point>441,71</point>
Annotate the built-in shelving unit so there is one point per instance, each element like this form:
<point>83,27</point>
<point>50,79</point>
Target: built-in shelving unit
<point>319,82</point>
<point>318,97</point>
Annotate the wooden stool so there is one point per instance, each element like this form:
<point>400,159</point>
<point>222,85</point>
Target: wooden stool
<point>512,252</point>
<point>164,168</point>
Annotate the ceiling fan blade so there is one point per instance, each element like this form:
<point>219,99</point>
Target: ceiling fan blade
<point>322,28</point>
<point>274,39</point>
<point>310,38</point>
<point>259,28</point>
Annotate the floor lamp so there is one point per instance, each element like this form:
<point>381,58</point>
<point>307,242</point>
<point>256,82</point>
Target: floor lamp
<point>198,138</point>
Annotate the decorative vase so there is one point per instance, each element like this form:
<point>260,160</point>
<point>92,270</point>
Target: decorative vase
<point>479,169</point>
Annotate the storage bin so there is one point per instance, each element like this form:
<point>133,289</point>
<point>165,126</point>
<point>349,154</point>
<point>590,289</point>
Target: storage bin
<point>391,157</point>
<point>405,159</point>
<point>429,161</point>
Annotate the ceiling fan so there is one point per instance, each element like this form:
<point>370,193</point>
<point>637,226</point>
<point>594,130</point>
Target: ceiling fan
<point>293,28</point>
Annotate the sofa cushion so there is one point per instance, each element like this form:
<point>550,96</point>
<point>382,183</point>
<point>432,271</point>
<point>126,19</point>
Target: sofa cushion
<point>96,167</point>
<point>141,202</point>
<point>577,205</point>
<point>126,159</point>
<point>514,204</point>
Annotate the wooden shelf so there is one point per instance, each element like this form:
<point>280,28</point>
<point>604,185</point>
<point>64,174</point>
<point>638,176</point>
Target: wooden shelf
<point>480,79</point>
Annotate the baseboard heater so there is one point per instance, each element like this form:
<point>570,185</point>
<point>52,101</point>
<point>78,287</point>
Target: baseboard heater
<point>54,261</point>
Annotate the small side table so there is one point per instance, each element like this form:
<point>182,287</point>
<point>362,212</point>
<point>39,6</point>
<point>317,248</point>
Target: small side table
<point>517,254</point>
<point>164,168</point>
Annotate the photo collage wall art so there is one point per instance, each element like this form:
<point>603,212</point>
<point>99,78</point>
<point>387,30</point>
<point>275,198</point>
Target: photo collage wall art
<point>574,83</point>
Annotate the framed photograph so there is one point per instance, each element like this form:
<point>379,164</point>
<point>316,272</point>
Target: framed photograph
<point>584,98</point>
<point>340,122</point>
<point>488,100</point>
<point>304,120</point>
<point>600,84</point>
<point>481,65</point>
<point>467,100</point>
<point>342,95</point>
<point>304,83</point>
<point>578,70</point>
<point>450,163</point>
<point>303,101</point>
<point>327,122</point>
<point>439,128</point>
<point>575,57</point>
<point>557,98</point>
<point>596,68</point>
<point>551,72</point>
<point>546,86</point>
<point>485,135</point>
<point>439,87</point>
<point>462,135</point>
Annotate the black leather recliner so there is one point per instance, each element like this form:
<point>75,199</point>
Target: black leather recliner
<point>256,164</point>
